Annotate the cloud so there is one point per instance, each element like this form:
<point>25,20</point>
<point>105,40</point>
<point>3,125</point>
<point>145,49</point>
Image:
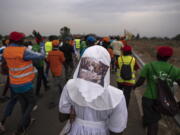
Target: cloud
<point>91,16</point>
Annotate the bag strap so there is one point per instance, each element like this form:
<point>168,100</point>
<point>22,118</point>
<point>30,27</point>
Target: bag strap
<point>122,59</point>
<point>155,73</point>
<point>129,62</point>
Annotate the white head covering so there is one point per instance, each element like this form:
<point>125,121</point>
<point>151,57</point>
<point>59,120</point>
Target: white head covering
<point>90,85</point>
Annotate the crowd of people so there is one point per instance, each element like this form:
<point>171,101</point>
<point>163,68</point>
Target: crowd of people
<point>80,72</point>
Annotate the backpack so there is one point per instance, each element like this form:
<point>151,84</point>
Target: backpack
<point>126,72</point>
<point>165,103</point>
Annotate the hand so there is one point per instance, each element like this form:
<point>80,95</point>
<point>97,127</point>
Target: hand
<point>42,44</point>
<point>134,87</point>
<point>37,35</point>
<point>63,117</point>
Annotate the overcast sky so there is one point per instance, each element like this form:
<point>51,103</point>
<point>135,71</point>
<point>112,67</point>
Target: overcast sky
<point>103,17</point>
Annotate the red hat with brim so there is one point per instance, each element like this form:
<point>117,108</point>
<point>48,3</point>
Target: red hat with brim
<point>165,51</point>
<point>126,48</point>
<point>16,36</point>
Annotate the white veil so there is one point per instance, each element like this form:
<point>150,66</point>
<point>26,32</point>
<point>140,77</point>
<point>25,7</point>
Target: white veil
<point>90,85</point>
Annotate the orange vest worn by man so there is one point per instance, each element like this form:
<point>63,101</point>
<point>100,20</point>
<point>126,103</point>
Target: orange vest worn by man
<point>20,71</point>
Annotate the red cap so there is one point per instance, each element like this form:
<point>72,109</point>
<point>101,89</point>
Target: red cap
<point>127,48</point>
<point>165,51</point>
<point>16,36</point>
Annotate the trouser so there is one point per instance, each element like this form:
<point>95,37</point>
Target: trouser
<point>40,77</point>
<point>27,101</point>
<point>112,63</point>
<point>68,69</point>
<point>6,87</point>
<point>47,68</point>
<point>116,60</point>
<point>127,92</point>
<point>9,107</point>
<point>152,129</point>
<point>150,116</point>
<point>58,83</point>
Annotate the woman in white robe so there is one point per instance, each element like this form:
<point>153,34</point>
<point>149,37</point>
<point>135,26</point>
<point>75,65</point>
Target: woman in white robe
<point>99,107</point>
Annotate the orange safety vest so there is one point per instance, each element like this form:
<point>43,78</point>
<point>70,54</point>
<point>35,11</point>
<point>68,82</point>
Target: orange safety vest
<point>20,71</point>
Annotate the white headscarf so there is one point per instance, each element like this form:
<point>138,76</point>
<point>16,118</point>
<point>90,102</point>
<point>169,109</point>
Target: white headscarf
<point>90,85</point>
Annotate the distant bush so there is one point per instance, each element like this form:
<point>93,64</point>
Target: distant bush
<point>166,38</point>
<point>137,36</point>
<point>1,37</point>
<point>144,38</point>
<point>177,37</point>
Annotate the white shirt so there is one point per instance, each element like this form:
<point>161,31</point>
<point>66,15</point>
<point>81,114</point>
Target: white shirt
<point>115,119</point>
<point>117,45</point>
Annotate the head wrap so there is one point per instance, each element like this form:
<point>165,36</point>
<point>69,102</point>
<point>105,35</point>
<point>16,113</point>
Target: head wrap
<point>91,39</point>
<point>90,85</point>
<point>55,42</point>
<point>16,36</point>
<point>126,48</point>
<point>165,51</point>
<point>106,39</point>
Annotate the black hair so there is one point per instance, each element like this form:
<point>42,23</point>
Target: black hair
<point>4,42</point>
<point>125,53</point>
<point>52,37</point>
<point>20,42</point>
<point>162,58</point>
<point>117,38</point>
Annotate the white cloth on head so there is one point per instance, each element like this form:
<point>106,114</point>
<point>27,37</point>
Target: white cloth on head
<point>94,95</point>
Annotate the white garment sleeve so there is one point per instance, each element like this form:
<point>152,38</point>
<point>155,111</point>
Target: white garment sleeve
<point>64,102</point>
<point>118,118</point>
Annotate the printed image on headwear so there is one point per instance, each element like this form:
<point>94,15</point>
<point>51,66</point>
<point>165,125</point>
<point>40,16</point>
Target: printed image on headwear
<point>92,70</point>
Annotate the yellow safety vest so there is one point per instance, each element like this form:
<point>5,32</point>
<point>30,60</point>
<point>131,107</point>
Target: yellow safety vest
<point>126,60</point>
<point>78,43</point>
<point>48,47</point>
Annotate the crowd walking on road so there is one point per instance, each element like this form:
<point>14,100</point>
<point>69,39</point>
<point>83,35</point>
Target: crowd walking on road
<point>80,69</point>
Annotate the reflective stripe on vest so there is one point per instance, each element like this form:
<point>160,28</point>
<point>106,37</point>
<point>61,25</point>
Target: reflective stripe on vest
<point>78,42</point>
<point>23,75</point>
<point>126,60</point>
<point>20,71</point>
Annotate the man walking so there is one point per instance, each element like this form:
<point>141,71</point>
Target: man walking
<point>22,73</point>
<point>56,59</point>
<point>164,70</point>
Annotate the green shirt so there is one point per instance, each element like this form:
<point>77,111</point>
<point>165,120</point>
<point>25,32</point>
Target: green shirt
<point>162,68</point>
<point>82,47</point>
<point>37,63</point>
